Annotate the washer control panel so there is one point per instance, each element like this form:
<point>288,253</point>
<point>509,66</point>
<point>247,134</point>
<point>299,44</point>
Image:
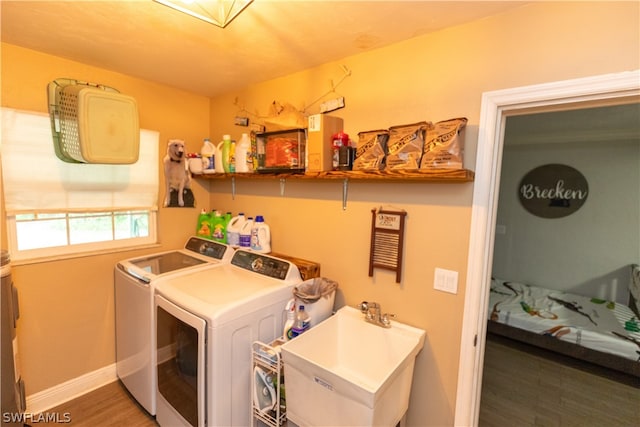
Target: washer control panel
<point>264,264</point>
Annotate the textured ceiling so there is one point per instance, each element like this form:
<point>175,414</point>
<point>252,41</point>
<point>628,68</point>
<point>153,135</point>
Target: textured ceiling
<point>271,38</point>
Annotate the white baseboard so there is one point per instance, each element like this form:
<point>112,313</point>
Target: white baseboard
<point>61,393</point>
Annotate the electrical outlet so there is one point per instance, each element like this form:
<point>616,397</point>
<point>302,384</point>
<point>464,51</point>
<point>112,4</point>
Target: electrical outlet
<point>446,280</point>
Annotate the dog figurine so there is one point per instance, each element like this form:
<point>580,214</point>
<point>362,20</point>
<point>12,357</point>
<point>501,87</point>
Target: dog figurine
<point>176,171</point>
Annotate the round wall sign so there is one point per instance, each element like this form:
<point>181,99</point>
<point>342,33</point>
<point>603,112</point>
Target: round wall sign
<point>553,191</point>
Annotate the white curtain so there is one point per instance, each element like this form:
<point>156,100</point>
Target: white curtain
<point>36,180</point>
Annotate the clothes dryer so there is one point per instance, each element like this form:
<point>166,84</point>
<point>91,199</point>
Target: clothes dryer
<point>134,284</point>
<point>206,323</point>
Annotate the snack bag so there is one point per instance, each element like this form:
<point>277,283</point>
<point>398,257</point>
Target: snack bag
<point>371,150</point>
<point>405,146</point>
<point>444,145</point>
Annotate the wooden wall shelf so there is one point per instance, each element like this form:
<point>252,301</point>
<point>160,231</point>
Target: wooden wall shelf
<point>450,176</point>
<point>437,176</point>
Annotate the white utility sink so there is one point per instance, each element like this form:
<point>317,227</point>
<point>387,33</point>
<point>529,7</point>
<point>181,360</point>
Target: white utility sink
<point>347,372</point>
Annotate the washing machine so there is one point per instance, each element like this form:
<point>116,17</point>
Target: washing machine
<point>206,323</point>
<point>134,282</point>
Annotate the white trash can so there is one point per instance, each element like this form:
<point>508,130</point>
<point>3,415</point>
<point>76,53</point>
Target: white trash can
<point>317,295</point>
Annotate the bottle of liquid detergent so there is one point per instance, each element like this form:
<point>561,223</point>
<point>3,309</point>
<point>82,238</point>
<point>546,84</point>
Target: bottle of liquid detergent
<point>227,219</point>
<point>207,152</point>
<point>290,308</point>
<point>261,154</point>
<point>253,163</point>
<point>224,147</point>
<point>260,236</point>
<point>218,227</point>
<point>233,230</point>
<point>218,158</point>
<point>245,233</point>
<point>232,156</point>
<point>203,229</point>
<point>243,154</point>
<point>301,323</point>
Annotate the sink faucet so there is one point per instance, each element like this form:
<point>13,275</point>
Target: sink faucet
<point>373,314</point>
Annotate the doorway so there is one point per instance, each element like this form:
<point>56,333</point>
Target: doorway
<point>496,107</point>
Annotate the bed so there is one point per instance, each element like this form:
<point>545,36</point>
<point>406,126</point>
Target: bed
<point>590,329</point>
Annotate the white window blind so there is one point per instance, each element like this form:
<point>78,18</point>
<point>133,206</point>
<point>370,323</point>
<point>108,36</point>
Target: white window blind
<point>35,180</point>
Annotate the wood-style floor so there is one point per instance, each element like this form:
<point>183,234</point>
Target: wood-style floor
<point>523,386</point>
<point>108,406</point>
<point>520,388</point>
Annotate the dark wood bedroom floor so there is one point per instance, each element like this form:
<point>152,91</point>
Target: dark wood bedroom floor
<point>521,387</point>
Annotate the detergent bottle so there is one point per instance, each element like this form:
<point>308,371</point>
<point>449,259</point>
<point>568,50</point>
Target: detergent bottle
<point>203,229</point>
<point>232,156</point>
<point>260,236</point>
<point>243,154</point>
<point>233,230</point>
<point>218,158</point>
<point>227,220</point>
<point>245,233</point>
<point>301,323</point>
<point>207,152</point>
<point>224,147</point>
<point>218,227</point>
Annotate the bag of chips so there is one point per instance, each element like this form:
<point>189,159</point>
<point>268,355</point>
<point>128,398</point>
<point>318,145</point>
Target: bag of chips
<point>444,145</point>
<point>405,145</point>
<point>371,150</point>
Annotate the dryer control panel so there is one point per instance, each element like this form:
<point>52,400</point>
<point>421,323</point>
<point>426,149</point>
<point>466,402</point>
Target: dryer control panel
<point>207,248</point>
<point>265,265</point>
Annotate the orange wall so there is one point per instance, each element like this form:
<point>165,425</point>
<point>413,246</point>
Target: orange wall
<point>432,77</point>
<point>66,327</point>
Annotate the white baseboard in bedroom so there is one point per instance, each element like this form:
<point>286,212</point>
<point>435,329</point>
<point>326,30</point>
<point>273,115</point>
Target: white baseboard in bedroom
<point>68,390</point>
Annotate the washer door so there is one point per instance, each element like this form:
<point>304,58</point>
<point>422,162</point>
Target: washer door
<point>180,365</point>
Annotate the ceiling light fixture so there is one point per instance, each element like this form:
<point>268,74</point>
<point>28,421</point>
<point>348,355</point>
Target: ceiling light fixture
<point>216,12</point>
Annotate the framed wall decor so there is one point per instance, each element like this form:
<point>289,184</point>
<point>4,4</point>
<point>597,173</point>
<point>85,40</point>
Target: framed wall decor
<point>387,235</point>
<point>553,191</point>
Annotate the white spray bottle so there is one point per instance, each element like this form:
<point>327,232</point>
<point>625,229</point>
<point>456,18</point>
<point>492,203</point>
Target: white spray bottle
<point>291,319</point>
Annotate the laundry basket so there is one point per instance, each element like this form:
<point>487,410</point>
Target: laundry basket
<point>93,123</point>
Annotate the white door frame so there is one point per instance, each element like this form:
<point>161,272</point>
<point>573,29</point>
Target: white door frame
<point>496,106</point>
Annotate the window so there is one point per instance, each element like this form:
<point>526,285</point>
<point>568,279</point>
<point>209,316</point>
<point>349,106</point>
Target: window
<point>56,208</point>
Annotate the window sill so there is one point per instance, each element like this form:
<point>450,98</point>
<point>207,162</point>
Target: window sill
<point>93,253</point>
